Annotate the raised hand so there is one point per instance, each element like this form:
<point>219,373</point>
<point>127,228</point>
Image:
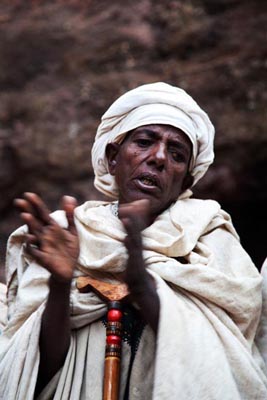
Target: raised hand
<point>135,217</point>
<point>53,247</point>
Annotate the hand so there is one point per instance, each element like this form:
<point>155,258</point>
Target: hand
<point>134,217</point>
<point>53,247</point>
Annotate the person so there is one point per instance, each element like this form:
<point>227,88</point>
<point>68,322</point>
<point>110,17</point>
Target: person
<point>195,295</point>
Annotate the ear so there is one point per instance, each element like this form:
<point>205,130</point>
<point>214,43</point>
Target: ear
<point>187,182</point>
<point>112,150</point>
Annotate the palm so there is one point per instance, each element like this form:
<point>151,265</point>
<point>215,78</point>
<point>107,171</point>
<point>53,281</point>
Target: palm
<point>60,250</point>
<point>53,247</point>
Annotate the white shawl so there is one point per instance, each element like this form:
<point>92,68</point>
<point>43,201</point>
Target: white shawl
<point>210,307</point>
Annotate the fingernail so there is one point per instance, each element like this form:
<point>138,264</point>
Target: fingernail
<point>69,198</point>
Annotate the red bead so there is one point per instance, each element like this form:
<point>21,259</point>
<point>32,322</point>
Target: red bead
<point>114,315</point>
<point>112,339</point>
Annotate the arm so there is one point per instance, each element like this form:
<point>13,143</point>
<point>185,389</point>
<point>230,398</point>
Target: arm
<point>140,283</point>
<point>55,333</point>
<point>56,249</point>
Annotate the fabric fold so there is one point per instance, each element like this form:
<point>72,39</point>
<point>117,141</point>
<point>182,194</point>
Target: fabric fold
<point>210,306</point>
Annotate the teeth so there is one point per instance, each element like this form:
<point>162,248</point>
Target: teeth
<point>148,181</point>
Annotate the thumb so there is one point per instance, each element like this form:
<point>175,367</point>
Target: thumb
<point>69,204</point>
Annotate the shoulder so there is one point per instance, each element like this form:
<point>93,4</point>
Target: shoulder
<point>213,214</point>
<point>199,217</point>
<point>195,212</point>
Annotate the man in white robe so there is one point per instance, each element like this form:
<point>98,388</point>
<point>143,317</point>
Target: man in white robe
<point>190,280</point>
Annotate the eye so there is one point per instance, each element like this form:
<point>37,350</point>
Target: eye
<point>143,142</point>
<point>177,155</point>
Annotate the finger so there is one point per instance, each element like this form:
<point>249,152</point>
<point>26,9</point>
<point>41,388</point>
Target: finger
<point>34,251</point>
<point>138,207</point>
<point>33,224</point>
<point>137,211</point>
<point>24,206</point>
<point>133,240</point>
<point>125,222</point>
<point>31,239</point>
<point>41,211</point>
<point>31,242</point>
<point>130,226</point>
<point>133,225</point>
<point>69,204</point>
<point>38,255</point>
<point>125,210</point>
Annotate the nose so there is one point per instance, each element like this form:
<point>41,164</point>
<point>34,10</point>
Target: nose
<point>158,156</point>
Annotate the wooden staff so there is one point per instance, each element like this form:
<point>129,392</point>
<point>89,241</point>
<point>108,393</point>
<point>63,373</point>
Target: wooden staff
<point>112,294</point>
<point>113,352</point>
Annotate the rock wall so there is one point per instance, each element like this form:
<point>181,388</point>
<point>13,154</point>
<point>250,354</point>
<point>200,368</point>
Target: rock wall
<point>64,62</point>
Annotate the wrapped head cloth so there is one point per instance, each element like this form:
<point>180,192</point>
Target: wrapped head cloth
<point>155,103</point>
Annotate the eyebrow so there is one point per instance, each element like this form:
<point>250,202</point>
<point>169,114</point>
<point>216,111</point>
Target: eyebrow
<point>156,135</point>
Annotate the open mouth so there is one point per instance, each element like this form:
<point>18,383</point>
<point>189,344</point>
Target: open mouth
<point>149,180</point>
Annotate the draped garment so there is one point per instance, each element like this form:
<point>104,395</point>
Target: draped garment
<point>210,307</point>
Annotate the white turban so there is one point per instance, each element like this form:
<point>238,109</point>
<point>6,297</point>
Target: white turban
<point>155,103</point>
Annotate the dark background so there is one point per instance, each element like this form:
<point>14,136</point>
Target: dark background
<point>62,63</point>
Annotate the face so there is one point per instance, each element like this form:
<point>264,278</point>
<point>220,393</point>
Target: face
<point>151,163</point>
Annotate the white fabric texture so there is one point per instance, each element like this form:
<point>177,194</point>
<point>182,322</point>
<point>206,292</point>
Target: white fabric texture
<point>155,103</point>
<point>210,307</point>
<point>3,306</point>
<point>261,337</point>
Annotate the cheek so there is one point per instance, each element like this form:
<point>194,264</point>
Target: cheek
<point>123,171</point>
<point>177,171</point>
<point>177,180</point>
<point>131,160</point>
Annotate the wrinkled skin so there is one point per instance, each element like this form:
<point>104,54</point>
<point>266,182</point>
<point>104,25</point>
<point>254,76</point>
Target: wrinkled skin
<point>151,170</point>
<point>54,248</point>
<point>159,153</point>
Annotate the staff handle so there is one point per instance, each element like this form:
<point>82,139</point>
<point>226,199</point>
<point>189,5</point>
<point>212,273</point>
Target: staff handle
<point>112,294</point>
<point>113,352</point>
